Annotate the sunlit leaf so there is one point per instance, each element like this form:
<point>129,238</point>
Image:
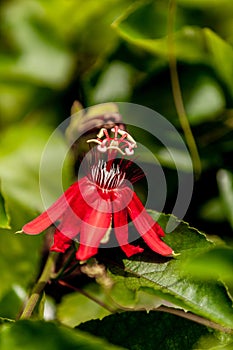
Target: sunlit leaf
<point>22,149</point>
<point>37,53</point>
<point>76,308</point>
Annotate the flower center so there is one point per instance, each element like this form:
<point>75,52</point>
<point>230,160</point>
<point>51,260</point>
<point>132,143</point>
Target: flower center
<point>122,141</point>
<point>104,178</point>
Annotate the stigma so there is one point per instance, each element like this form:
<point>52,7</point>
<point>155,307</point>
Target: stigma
<point>120,141</point>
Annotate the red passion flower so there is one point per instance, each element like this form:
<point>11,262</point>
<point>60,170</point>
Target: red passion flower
<point>98,202</point>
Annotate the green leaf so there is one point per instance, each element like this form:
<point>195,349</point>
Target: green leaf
<point>22,148</point>
<point>205,99</point>
<point>19,260</point>
<point>105,90</point>
<point>221,57</point>
<point>140,330</point>
<point>4,217</point>
<point>225,185</point>
<point>5,320</point>
<point>76,308</point>
<point>206,3</point>
<point>10,303</point>
<point>189,40</point>
<point>36,335</point>
<point>37,54</point>
<point>165,277</point>
<point>212,210</point>
<point>24,185</point>
<point>216,263</point>
<point>192,44</point>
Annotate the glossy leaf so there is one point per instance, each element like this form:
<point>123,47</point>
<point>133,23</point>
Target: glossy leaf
<point>165,277</point>
<point>167,333</point>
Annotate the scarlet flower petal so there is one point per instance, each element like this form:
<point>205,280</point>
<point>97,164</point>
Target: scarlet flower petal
<point>121,229</point>
<point>53,213</point>
<point>61,242</point>
<point>70,224</point>
<point>130,249</point>
<point>138,213</point>
<point>85,252</point>
<point>147,227</point>
<point>156,244</point>
<point>94,227</point>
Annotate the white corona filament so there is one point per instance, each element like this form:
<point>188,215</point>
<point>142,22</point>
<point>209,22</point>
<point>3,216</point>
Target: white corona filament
<point>106,179</point>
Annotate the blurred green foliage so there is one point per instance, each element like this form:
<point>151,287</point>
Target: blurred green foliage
<point>52,53</point>
<point>26,334</point>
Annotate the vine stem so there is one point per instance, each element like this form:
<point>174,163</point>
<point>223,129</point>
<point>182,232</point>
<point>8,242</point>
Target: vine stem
<point>177,95</point>
<point>39,286</point>
<point>177,312</point>
<point>195,318</point>
<point>89,296</point>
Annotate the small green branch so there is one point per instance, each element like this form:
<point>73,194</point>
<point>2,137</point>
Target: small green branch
<point>89,296</point>
<point>177,312</point>
<point>39,286</point>
<point>195,318</point>
<point>181,313</point>
<point>177,95</point>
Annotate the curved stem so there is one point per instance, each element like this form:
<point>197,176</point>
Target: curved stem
<point>88,295</point>
<point>178,312</point>
<point>39,286</point>
<point>195,318</point>
<point>177,95</point>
